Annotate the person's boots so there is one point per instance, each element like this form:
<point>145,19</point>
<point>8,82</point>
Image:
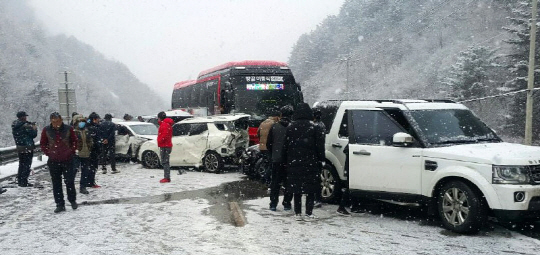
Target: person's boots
<point>59,208</point>
<point>74,205</point>
<point>104,170</point>
<point>84,191</point>
<point>114,171</point>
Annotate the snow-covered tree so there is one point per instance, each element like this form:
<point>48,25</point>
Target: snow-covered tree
<point>519,60</point>
<point>470,76</point>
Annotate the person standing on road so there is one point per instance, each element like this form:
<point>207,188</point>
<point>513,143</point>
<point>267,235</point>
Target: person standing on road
<point>59,143</point>
<point>93,129</point>
<point>274,143</point>
<point>84,149</point>
<point>262,133</point>
<point>24,133</point>
<point>304,152</point>
<point>318,122</point>
<point>106,134</point>
<point>164,141</point>
<point>72,122</point>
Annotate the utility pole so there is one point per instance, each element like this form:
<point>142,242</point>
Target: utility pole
<point>67,95</point>
<point>347,79</point>
<point>66,99</point>
<point>530,82</point>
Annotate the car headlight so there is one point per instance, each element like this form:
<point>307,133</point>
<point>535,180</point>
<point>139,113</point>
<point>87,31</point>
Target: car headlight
<point>511,175</point>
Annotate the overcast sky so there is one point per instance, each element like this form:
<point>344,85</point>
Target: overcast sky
<point>166,41</point>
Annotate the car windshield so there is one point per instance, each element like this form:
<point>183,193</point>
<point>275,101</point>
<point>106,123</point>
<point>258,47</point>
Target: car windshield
<point>450,126</point>
<point>144,129</point>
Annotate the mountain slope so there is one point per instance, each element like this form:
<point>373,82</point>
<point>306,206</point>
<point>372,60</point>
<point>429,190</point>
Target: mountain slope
<point>31,63</point>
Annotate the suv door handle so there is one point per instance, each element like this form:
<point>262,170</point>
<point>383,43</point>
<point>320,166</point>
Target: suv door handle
<point>336,145</point>
<point>362,152</point>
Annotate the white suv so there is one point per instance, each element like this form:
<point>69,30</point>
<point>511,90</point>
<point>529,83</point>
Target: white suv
<point>436,153</point>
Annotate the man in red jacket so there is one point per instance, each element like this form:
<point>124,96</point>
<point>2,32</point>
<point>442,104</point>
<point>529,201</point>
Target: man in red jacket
<point>164,141</point>
<point>59,142</point>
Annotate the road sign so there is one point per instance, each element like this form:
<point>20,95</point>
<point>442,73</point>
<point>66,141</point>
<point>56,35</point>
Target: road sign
<point>68,103</point>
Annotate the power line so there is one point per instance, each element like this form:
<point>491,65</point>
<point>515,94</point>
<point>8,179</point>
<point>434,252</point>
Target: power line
<point>499,95</point>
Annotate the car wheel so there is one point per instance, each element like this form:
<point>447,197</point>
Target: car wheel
<point>461,208</point>
<point>330,184</point>
<point>150,159</point>
<point>212,162</point>
<point>262,170</point>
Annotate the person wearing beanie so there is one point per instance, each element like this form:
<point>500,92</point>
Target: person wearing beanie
<point>274,143</point>
<point>93,123</point>
<point>107,138</point>
<point>24,133</point>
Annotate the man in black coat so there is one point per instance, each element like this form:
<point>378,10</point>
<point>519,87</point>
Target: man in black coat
<point>304,152</point>
<point>274,145</point>
<point>93,129</point>
<point>106,134</point>
<point>24,133</point>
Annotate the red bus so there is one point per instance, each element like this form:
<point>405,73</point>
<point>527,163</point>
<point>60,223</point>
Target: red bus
<point>254,87</point>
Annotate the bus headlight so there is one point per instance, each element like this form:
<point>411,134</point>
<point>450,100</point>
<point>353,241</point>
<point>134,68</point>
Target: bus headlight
<point>511,175</point>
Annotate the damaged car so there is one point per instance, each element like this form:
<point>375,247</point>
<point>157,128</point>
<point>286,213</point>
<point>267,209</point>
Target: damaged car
<point>129,136</point>
<point>211,143</point>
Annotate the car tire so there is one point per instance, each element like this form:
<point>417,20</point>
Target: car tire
<point>262,171</point>
<point>150,160</point>
<point>213,163</point>
<point>330,184</point>
<point>461,208</point>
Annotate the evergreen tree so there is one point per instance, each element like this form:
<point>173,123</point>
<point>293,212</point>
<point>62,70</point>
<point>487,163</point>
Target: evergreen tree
<point>520,29</point>
<point>470,76</point>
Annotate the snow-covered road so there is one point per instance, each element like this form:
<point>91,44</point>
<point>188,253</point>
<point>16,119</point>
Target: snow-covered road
<point>185,224</point>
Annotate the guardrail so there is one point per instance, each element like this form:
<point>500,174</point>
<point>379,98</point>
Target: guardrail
<point>10,155</point>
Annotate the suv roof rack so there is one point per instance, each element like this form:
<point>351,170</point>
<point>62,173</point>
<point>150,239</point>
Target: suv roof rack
<point>397,101</point>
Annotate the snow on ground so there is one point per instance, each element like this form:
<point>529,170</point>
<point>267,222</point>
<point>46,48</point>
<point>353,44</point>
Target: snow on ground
<point>187,226</point>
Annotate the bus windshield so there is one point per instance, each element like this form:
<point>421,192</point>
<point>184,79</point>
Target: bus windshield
<point>260,95</point>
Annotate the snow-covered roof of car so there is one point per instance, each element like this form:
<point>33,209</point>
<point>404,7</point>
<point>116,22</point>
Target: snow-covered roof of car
<point>215,118</point>
<point>132,123</point>
<point>411,104</point>
<point>179,113</point>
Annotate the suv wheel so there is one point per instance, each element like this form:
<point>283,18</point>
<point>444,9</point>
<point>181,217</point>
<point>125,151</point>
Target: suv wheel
<point>212,162</point>
<point>330,184</point>
<point>461,208</point>
<point>150,159</point>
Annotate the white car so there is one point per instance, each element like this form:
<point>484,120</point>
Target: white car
<point>130,135</point>
<point>434,153</point>
<point>209,142</point>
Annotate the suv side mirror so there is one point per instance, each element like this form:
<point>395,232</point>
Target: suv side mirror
<point>402,139</point>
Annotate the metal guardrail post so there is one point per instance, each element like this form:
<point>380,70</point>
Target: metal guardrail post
<point>10,155</point>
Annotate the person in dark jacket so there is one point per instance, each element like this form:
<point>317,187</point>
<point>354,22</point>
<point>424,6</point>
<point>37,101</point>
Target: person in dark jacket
<point>304,154</point>
<point>24,133</point>
<point>84,149</point>
<point>318,122</point>
<point>164,141</point>
<point>274,144</point>
<point>106,135</point>
<point>93,129</point>
<point>59,143</point>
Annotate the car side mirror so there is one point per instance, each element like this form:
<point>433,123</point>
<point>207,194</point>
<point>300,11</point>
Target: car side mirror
<point>402,140</point>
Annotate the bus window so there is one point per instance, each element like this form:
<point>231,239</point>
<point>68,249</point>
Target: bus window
<point>202,95</point>
<point>195,95</point>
